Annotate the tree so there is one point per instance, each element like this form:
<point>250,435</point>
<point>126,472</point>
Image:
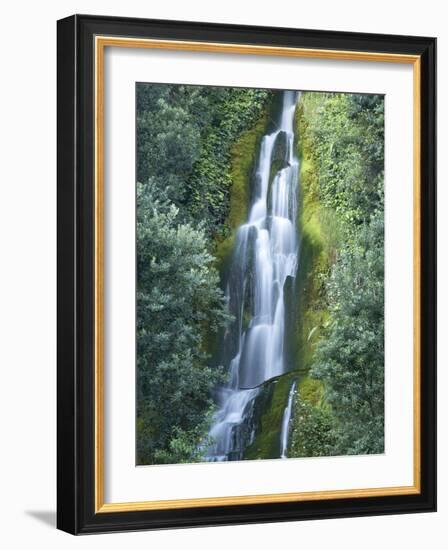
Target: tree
<point>178,302</point>
<point>350,357</point>
<point>168,135</point>
<point>314,433</point>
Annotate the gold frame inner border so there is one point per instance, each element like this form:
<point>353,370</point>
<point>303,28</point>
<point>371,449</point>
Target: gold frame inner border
<point>101,42</point>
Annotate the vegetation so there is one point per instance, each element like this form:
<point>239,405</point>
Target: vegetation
<point>341,140</point>
<point>314,433</point>
<point>184,139</point>
<point>185,136</point>
<point>177,293</point>
<point>196,148</point>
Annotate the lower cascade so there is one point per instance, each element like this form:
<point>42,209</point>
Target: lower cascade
<point>265,256</point>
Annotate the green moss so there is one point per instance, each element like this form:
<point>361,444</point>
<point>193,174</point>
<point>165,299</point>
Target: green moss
<point>270,407</point>
<point>311,391</point>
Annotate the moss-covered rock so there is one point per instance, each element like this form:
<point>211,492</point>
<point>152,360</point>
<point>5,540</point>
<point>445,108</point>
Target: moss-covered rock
<point>268,415</point>
<point>279,161</point>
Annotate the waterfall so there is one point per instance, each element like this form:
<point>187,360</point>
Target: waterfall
<point>285,422</point>
<point>265,255</point>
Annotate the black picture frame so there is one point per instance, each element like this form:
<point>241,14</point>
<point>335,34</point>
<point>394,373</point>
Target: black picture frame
<point>76,264</point>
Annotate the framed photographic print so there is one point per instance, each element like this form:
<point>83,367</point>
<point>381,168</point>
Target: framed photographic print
<point>246,274</point>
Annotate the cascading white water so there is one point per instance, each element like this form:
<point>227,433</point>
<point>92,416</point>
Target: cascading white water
<point>284,436</point>
<point>265,255</point>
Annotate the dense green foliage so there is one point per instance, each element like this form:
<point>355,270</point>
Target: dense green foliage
<point>350,359</point>
<point>314,426</point>
<point>343,158</point>
<point>184,138</point>
<point>347,134</point>
<point>315,434</point>
<point>177,294</point>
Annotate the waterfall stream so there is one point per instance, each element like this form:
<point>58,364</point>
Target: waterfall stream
<point>265,255</point>
<point>284,436</point>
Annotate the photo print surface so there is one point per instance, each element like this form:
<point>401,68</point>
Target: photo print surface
<point>260,274</point>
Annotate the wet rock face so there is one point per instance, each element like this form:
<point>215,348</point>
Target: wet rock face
<point>280,156</point>
<point>290,322</point>
<point>280,152</point>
